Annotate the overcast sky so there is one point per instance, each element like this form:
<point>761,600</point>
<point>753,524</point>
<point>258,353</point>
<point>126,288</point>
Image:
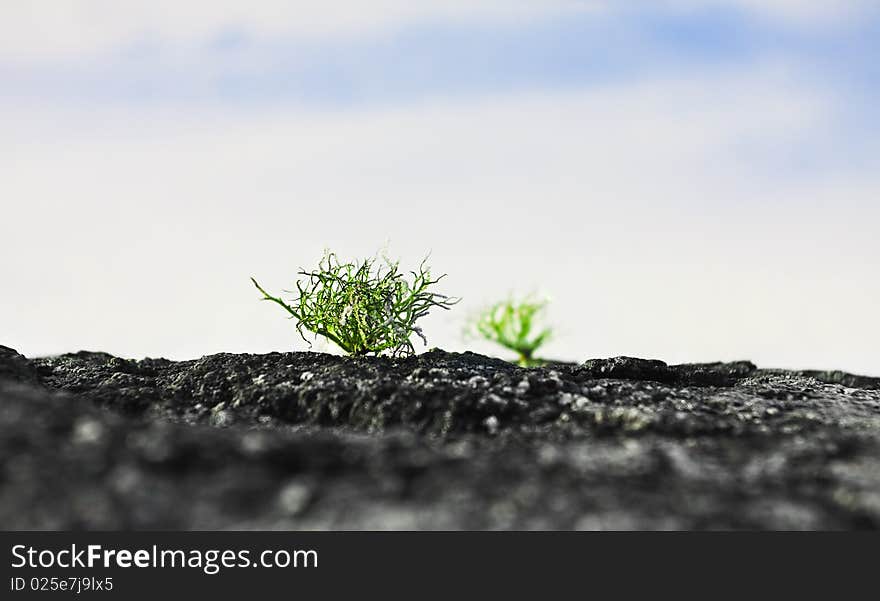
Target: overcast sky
<point>687,180</point>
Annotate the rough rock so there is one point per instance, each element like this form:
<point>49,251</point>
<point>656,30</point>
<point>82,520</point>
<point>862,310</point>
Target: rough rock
<point>440,440</point>
<point>15,367</point>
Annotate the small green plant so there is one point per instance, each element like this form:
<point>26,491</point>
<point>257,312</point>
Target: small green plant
<point>515,326</point>
<point>366,307</point>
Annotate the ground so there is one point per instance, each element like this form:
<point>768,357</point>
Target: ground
<point>436,441</point>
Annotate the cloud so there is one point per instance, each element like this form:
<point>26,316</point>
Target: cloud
<point>65,30</point>
<point>55,29</point>
<point>791,12</point>
<point>429,59</point>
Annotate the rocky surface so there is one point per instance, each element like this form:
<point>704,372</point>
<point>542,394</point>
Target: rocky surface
<point>440,440</point>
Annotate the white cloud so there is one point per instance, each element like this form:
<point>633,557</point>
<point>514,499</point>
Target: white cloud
<point>64,29</point>
<point>33,29</point>
<point>791,12</point>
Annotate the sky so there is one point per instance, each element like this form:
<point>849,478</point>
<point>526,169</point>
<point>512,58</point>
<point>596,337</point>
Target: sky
<point>685,180</point>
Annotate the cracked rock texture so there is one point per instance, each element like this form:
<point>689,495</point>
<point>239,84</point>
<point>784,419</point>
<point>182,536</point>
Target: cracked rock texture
<point>437,441</point>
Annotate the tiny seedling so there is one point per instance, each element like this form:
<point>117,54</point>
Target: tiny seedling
<point>515,326</point>
<point>366,307</point>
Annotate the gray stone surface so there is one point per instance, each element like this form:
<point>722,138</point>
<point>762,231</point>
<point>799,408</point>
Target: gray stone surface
<point>441,440</point>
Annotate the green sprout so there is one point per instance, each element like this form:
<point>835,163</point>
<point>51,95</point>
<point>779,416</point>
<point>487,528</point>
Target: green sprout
<point>514,325</point>
<point>363,307</point>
